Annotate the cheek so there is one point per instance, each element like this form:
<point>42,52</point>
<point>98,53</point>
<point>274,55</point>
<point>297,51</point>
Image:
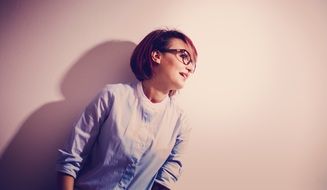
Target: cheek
<point>170,67</point>
<point>174,65</point>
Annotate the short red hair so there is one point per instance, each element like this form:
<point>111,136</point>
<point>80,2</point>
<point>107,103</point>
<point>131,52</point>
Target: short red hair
<point>141,61</point>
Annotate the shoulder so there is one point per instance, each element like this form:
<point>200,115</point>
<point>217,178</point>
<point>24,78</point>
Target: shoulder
<point>177,109</point>
<point>118,88</point>
<point>182,120</point>
<point>110,91</point>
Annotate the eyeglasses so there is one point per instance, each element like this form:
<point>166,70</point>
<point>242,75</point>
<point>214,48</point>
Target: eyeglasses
<point>182,55</point>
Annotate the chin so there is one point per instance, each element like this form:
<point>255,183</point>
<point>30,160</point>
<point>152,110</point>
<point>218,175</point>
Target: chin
<point>179,86</point>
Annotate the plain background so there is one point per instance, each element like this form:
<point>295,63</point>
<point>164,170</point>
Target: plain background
<point>257,102</point>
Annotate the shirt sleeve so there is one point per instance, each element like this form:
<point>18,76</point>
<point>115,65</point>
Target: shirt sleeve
<point>171,170</point>
<point>84,134</point>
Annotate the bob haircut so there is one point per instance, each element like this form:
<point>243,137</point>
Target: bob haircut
<point>141,61</point>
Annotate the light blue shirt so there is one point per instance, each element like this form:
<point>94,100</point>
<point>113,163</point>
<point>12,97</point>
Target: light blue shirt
<point>124,141</point>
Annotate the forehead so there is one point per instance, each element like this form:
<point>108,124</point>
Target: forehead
<point>176,43</point>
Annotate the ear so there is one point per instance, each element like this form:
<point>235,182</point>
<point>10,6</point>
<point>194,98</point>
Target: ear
<point>156,56</point>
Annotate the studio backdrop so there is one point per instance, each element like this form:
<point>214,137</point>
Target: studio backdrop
<point>257,101</point>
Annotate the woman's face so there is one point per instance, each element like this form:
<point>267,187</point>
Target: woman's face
<point>171,71</point>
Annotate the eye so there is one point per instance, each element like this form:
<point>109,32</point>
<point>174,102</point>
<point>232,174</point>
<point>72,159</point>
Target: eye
<point>183,55</point>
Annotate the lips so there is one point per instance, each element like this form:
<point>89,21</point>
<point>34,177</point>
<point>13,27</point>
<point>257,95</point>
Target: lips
<point>184,75</point>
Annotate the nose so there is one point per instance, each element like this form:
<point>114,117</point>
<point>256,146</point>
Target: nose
<point>190,67</point>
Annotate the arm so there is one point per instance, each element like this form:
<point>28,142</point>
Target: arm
<point>83,136</point>
<point>171,170</point>
<point>65,182</point>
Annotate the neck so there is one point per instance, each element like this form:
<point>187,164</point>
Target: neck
<point>153,92</point>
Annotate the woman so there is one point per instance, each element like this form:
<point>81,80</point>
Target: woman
<point>133,136</point>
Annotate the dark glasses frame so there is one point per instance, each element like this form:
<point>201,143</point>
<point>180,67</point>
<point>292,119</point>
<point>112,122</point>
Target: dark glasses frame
<point>185,60</point>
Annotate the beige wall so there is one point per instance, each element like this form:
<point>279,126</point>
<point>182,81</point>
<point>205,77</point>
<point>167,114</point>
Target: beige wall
<point>257,102</point>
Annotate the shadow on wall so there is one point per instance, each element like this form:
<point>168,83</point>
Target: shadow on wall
<point>29,160</point>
